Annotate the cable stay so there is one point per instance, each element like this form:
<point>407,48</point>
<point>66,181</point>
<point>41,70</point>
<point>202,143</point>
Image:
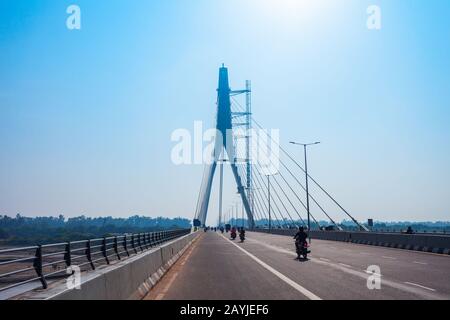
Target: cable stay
<point>362,227</point>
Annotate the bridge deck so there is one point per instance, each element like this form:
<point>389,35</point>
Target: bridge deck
<point>264,267</point>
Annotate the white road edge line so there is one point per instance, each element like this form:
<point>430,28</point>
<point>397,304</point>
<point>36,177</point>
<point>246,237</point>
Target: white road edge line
<point>290,282</point>
<point>418,285</point>
<point>345,265</point>
<point>422,263</point>
<point>391,258</point>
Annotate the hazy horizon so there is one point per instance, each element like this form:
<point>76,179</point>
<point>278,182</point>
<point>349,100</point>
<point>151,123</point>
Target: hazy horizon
<point>344,221</point>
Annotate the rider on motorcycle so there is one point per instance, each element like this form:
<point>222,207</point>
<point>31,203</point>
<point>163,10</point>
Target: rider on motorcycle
<point>301,239</point>
<point>301,235</point>
<point>233,233</point>
<point>242,234</point>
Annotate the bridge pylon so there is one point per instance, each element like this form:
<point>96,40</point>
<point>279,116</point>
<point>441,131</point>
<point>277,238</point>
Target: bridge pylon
<point>223,143</point>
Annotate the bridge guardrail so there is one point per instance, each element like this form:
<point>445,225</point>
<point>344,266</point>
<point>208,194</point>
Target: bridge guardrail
<point>21,266</point>
<point>418,242</point>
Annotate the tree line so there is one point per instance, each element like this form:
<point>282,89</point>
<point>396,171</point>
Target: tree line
<point>22,230</point>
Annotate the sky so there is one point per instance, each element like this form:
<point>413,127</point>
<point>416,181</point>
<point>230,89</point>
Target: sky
<point>86,116</point>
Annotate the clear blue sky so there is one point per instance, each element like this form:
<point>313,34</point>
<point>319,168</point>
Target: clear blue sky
<point>86,116</point>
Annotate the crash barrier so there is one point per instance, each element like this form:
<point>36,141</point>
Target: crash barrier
<point>419,242</point>
<point>125,278</point>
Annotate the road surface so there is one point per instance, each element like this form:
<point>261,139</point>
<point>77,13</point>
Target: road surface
<point>264,268</point>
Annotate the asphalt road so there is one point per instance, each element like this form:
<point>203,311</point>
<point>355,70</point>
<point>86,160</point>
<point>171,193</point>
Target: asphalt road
<point>264,268</point>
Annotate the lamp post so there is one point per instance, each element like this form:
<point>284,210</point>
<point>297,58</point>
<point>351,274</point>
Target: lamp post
<point>268,194</point>
<point>237,215</point>
<point>253,201</point>
<point>243,217</point>
<point>305,146</point>
<point>232,216</point>
<point>221,163</point>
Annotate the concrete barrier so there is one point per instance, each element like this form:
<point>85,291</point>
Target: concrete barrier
<point>418,242</point>
<point>128,279</point>
<point>438,244</point>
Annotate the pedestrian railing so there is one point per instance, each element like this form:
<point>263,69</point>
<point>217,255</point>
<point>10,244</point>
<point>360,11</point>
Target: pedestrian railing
<point>21,266</point>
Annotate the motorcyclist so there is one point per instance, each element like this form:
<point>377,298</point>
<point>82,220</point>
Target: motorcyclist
<point>233,233</point>
<point>300,238</point>
<point>242,234</point>
<point>301,235</point>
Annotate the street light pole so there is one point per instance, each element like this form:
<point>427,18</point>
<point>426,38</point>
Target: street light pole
<point>269,198</point>
<point>305,146</point>
<point>243,217</point>
<point>307,193</point>
<point>268,192</point>
<point>237,215</point>
<point>221,193</point>
<point>233,220</point>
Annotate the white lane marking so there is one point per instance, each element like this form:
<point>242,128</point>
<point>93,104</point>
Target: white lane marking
<point>422,263</point>
<point>373,273</point>
<point>418,285</point>
<point>390,283</point>
<point>390,258</point>
<point>345,265</point>
<point>323,259</point>
<point>290,282</point>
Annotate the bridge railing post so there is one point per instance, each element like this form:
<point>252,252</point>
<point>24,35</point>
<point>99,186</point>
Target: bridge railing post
<point>116,247</point>
<point>144,238</point>
<point>139,241</point>
<point>149,241</point>
<point>104,252</point>
<point>37,264</point>
<point>89,254</point>
<point>133,243</point>
<point>124,244</point>
<point>68,255</point>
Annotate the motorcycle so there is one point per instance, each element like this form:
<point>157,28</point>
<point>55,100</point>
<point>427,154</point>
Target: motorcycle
<point>302,249</point>
<point>242,237</point>
<point>233,235</point>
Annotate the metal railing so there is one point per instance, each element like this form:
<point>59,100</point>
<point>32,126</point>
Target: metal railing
<point>21,266</point>
<point>375,230</point>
